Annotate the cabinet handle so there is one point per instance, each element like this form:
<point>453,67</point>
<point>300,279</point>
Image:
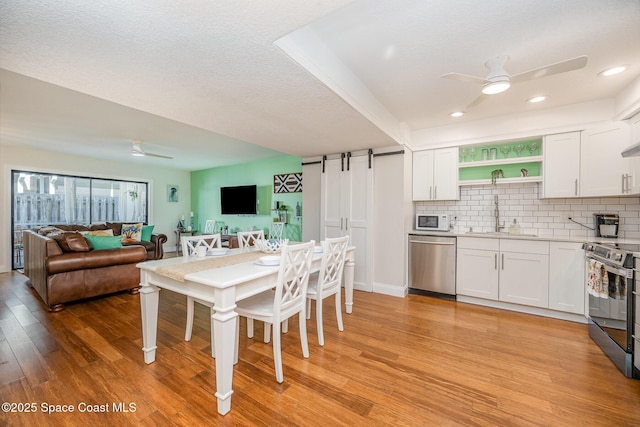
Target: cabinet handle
<point>435,192</point>
<point>495,261</point>
<point>430,193</point>
<point>502,262</point>
<point>576,189</point>
<point>623,182</point>
<point>346,223</point>
<point>629,183</point>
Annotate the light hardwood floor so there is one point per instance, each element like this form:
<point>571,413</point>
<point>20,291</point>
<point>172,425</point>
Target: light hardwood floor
<point>414,361</point>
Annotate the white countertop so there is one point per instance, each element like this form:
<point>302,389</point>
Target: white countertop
<point>523,237</point>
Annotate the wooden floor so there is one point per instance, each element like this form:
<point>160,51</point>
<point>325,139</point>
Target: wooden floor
<point>401,362</point>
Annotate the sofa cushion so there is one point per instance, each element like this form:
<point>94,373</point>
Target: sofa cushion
<point>107,232</point>
<point>131,232</point>
<point>71,241</point>
<point>71,227</point>
<point>116,227</point>
<point>98,226</point>
<point>104,242</point>
<point>147,231</point>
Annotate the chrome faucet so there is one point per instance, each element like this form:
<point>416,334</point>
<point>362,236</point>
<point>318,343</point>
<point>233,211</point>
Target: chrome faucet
<point>497,214</point>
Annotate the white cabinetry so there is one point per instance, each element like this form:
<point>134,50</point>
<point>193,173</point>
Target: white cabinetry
<point>567,277</point>
<point>477,267</point>
<point>603,171</point>
<point>515,271</point>
<point>435,174</point>
<point>347,206</point>
<point>524,272</point>
<point>561,165</point>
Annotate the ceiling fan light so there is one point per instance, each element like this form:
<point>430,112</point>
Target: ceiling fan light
<point>495,87</point>
<point>613,71</point>
<point>457,114</point>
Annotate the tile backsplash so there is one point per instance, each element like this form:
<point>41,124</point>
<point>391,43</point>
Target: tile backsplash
<point>543,217</point>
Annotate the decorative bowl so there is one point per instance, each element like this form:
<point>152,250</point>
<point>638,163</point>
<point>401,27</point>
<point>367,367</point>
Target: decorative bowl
<point>270,246</point>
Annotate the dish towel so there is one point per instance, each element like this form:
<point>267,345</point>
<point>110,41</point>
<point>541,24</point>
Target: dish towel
<point>603,292</point>
<point>593,277</point>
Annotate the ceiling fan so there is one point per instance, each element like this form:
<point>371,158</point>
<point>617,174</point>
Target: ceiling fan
<point>136,150</point>
<point>498,80</point>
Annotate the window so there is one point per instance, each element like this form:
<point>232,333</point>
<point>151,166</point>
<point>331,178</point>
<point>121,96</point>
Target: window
<point>43,199</point>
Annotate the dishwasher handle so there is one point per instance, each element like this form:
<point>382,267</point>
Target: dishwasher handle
<point>422,242</point>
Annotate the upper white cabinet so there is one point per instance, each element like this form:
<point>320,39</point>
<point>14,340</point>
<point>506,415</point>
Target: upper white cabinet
<point>561,165</point>
<point>603,170</point>
<point>435,174</point>
<point>347,208</point>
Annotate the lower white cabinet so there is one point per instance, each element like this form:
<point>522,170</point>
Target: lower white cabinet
<point>524,272</point>
<point>567,277</point>
<point>477,267</point>
<point>515,271</point>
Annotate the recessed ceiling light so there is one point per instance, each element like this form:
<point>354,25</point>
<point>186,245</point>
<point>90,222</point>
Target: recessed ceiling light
<point>536,99</point>
<point>613,71</point>
<point>457,114</point>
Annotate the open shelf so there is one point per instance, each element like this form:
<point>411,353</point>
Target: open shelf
<point>501,181</point>
<point>498,162</point>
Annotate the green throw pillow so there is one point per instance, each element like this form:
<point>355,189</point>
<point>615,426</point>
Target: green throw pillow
<point>104,242</point>
<point>147,230</point>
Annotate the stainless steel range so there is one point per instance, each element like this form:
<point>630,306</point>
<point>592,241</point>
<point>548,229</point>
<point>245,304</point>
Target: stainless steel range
<point>610,284</point>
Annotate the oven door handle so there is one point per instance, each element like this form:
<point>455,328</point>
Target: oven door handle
<point>618,271</point>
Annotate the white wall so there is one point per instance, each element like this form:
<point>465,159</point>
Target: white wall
<point>162,214</point>
<point>311,201</point>
<point>542,217</point>
<point>389,235</point>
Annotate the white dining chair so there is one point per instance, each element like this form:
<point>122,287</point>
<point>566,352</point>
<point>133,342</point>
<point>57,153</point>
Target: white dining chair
<point>248,238</point>
<point>276,230</point>
<point>209,227</point>
<point>189,245</point>
<point>287,299</point>
<point>328,281</point>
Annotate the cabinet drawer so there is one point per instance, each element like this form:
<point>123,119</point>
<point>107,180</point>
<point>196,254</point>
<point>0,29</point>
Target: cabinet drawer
<point>525,246</point>
<point>478,243</point>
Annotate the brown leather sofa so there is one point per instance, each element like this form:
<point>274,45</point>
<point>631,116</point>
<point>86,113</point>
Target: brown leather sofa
<point>154,246</point>
<point>62,267</point>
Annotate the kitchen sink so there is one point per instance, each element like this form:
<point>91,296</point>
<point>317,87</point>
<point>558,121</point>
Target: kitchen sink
<point>499,233</point>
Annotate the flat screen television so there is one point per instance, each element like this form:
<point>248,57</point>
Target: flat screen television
<point>239,200</point>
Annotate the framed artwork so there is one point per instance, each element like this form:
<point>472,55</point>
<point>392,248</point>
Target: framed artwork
<point>172,193</point>
<point>287,183</point>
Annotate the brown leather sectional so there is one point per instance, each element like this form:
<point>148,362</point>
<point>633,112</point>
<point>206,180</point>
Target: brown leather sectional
<point>62,268</point>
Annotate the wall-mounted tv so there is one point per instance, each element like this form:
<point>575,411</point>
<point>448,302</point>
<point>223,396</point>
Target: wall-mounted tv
<point>239,200</point>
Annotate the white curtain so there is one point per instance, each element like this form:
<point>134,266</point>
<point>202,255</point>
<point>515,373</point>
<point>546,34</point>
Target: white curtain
<point>70,208</point>
<point>130,206</point>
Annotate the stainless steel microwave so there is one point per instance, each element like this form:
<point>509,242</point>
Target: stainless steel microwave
<point>432,222</point>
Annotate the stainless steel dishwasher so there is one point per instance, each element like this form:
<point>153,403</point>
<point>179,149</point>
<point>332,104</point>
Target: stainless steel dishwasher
<point>432,265</point>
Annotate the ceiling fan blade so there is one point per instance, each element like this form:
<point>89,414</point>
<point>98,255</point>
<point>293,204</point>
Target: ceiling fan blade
<point>477,101</point>
<point>464,78</point>
<point>157,155</point>
<point>557,68</point>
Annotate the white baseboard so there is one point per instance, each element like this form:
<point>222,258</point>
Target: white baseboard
<point>579,318</point>
<point>392,290</point>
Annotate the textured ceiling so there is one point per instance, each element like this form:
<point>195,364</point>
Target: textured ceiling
<point>199,80</point>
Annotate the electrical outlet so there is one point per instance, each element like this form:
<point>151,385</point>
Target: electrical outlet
<point>565,216</point>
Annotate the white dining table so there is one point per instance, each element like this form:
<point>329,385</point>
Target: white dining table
<point>224,286</point>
